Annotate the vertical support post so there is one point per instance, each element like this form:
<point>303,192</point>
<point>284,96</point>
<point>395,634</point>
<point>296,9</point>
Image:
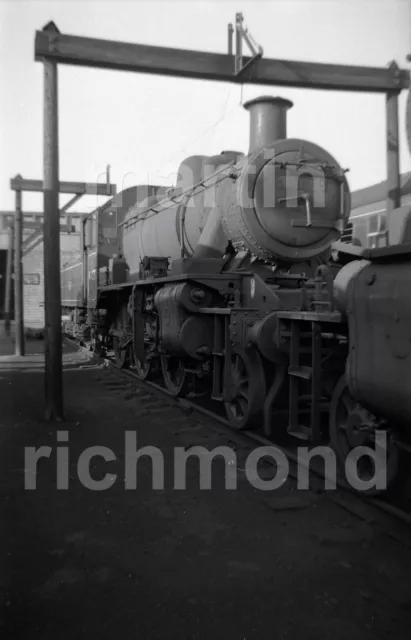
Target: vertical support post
<point>9,280</point>
<point>393,152</point>
<point>238,42</point>
<point>83,258</point>
<point>230,31</point>
<point>52,290</point>
<point>18,278</point>
<point>108,179</point>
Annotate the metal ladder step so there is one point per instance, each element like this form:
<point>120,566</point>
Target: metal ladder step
<point>300,372</point>
<point>301,432</point>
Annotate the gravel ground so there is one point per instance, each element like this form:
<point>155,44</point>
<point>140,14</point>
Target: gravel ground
<point>241,564</point>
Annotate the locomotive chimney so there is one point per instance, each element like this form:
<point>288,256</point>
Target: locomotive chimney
<point>268,121</point>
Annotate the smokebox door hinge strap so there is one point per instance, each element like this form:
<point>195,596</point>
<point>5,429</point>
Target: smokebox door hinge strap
<point>242,34</point>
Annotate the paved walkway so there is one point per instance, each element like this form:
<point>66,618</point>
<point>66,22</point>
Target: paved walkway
<point>7,343</point>
<point>237,565</point>
<point>34,353</point>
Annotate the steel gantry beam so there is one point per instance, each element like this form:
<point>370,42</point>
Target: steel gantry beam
<point>77,188</point>
<point>126,56</point>
<point>35,215</point>
<point>53,48</point>
<point>38,226</point>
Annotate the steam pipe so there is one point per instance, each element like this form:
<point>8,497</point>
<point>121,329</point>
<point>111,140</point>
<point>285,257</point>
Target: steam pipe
<point>212,242</point>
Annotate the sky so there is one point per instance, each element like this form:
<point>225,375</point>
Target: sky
<point>144,125</point>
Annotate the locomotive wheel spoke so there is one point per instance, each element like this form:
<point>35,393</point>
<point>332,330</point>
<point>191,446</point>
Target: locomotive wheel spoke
<point>248,390</point>
<point>123,331</point>
<point>350,426</point>
<point>243,402</point>
<point>243,391</point>
<point>143,369</point>
<point>175,378</point>
<point>348,403</point>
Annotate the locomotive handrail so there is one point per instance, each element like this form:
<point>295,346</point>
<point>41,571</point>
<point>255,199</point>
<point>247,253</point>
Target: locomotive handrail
<point>178,199</point>
<point>162,205</point>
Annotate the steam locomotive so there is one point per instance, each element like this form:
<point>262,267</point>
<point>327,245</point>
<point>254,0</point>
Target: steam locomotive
<point>234,284</point>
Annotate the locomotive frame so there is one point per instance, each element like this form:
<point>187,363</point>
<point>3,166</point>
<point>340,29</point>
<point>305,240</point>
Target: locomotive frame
<point>240,332</point>
<point>309,337</point>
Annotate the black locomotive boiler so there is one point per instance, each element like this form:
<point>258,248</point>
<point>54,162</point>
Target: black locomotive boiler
<point>226,284</point>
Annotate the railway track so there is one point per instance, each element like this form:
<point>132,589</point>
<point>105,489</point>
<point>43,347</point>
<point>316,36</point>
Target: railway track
<point>364,507</point>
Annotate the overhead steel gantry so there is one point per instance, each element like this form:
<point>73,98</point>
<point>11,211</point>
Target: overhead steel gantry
<point>41,230</point>
<point>53,48</point>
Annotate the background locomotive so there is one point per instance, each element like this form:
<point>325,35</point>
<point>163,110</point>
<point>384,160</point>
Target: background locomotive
<point>226,284</point>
